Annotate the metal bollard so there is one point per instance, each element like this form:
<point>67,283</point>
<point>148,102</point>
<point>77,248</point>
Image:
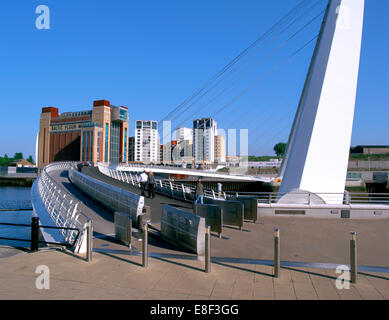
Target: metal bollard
<point>208,249</point>
<point>89,241</point>
<point>34,234</point>
<point>277,261</point>
<point>353,257</point>
<point>129,223</point>
<point>219,189</point>
<point>145,255</point>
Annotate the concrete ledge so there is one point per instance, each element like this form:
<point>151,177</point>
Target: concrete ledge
<point>326,211</point>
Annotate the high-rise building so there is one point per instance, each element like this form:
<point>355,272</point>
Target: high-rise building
<point>204,132</point>
<point>146,141</point>
<point>220,149</point>
<point>160,153</point>
<point>98,135</point>
<point>170,153</point>
<point>183,133</point>
<point>185,151</point>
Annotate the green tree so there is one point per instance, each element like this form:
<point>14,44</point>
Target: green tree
<point>30,159</point>
<point>18,156</point>
<point>5,161</point>
<point>279,149</point>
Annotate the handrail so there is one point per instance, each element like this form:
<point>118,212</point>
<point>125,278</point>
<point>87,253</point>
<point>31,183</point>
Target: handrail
<point>267,197</point>
<point>40,241</point>
<point>62,207</point>
<point>127,177</point>
<point>349,197</point>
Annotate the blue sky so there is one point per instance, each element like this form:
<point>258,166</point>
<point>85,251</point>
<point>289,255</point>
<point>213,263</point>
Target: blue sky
<point>152,55</point>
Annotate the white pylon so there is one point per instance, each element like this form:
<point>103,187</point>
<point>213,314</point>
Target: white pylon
<point>316,158</point>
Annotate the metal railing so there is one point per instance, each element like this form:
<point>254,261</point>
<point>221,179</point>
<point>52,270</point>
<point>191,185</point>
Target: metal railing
<point>183,191</point>
<point>114,198</point>
<point>34,240</point>
<point>309,198</point>
<point>188,191</point>
<point>197,172</point>
<point>167,167</point>
<point>62,207</point>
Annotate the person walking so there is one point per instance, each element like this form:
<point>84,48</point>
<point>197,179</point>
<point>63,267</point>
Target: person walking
<point>151,184</point>
<point>199,192</point>
<point>143,181</point>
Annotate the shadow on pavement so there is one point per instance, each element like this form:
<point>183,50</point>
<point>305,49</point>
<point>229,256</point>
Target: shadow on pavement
<point>373,275</point>
<point>177,263</point>
<point>118,258</point>
<point>242,269</point>
<point>310,272</point>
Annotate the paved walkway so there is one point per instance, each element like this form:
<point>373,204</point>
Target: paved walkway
<point>115,273</point>
<point>120,276</point>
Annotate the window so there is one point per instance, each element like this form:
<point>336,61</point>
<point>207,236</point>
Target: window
<point>125,145</point>
<point>106,141</point>
<point>98,145</point>
<point>114,142</point>
<point>91,146</point>
<point>83,146</point>
<point>87,146</point>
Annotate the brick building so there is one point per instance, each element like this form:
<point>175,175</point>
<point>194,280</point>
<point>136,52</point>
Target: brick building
<point>98,135</point>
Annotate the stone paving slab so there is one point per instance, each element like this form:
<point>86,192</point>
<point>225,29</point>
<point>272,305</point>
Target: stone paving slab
<point>121,277</point>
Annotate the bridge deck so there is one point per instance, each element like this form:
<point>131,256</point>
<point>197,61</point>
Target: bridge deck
<point>103,219</point>
<point>155,203</point>
<point>313,240</point>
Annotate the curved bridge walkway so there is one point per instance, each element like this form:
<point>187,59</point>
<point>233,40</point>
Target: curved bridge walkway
<point>103,219</point>
<point>237,271</point>
<point>300,237</point>
<point>155,203</point>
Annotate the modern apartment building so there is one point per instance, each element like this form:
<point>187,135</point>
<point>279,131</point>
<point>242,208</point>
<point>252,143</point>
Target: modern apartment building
<point>98,135</point>
<point>170,152</point>
<point>204,132</point>
<point>220,149</point>
<point>146,141</point>
<point>184,133</point>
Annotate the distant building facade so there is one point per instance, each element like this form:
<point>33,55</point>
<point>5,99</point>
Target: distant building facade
<point>146,141</point>
<point>98,135</point>
<point>184,134</point>
<point>370,150</point>
<point>220,149</point>
<point>170,152</point>
<point>204,132</point>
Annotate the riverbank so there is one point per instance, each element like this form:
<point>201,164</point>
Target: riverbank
<point>16,182</point>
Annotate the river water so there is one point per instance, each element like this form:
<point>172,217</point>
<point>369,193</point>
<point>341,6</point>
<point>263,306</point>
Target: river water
<point>12,198</point>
